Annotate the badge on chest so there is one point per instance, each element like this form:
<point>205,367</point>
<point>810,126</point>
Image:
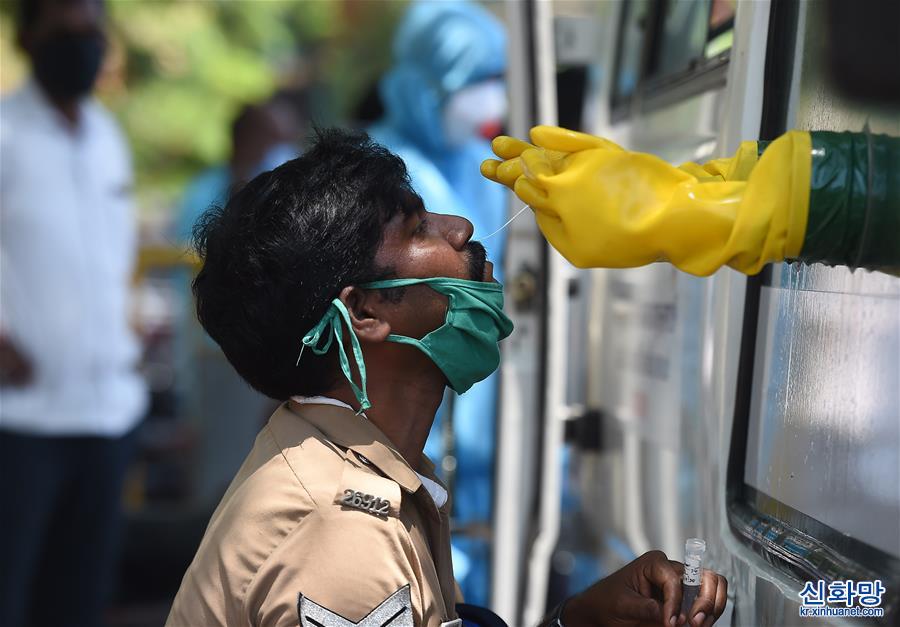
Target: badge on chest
<point>368,492</point>
<point>366,502</point>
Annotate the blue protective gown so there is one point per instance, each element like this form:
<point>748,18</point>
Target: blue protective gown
<point>440,48</point>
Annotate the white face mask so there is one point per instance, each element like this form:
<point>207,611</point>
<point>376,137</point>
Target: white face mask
<point>472,107</point>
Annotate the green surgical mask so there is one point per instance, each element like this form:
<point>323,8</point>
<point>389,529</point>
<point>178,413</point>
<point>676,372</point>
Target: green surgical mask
<point>465,347</point>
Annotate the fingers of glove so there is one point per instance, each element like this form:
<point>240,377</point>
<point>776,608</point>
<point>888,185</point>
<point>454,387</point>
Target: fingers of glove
<point>507,147</point>
<point>556,156</point>
<point>509,171</point>
<point>705,604</point>
<point>489,169</point>
<point>503,172</point>
<point>535,164</point>
<point>533,196</point>
<point>565,140</point>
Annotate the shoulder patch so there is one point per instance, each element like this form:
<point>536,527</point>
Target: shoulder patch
<point>368,492</point>
<point>394,611</point>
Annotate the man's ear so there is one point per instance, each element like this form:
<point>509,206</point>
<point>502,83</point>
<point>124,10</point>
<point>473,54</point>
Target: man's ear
<point>366,314</point>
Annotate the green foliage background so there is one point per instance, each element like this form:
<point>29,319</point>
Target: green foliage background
<point>178,71</point>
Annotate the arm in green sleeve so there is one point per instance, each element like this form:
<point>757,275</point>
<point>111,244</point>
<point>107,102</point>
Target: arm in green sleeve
<point>854,201</point>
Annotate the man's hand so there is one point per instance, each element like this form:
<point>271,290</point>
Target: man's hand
<point>15,369</point>
<point>646,592</point>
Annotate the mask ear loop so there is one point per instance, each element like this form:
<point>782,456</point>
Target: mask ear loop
<point>360,392</point>
<point>337,312</point>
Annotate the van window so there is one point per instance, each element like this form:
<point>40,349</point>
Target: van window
<point>682,39</point>
<point>817,486</point>
<point>632,39</point>
<point>664,45</point>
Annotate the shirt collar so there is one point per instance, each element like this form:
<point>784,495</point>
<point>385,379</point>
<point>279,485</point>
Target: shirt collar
<point>340,424</point>
<point>435,490</point>
<point>40,104</point>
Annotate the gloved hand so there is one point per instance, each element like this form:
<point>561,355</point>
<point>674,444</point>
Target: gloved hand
<point>602,206</point>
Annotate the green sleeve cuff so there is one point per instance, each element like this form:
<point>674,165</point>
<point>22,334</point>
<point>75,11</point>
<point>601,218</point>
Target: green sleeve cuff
<point>854,201</point>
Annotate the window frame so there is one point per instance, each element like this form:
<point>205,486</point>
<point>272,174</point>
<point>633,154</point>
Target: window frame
<point>654,92</point>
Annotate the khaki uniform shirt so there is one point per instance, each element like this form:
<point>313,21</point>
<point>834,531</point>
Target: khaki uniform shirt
<point>324,524</point>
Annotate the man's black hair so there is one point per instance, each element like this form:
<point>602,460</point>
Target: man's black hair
<point>283,247</point>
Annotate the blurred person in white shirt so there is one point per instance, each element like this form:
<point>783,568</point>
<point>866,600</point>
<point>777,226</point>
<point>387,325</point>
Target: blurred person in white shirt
<point>70,397</point>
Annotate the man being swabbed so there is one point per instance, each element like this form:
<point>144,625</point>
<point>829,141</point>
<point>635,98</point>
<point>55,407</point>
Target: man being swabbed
<point>330,287</point>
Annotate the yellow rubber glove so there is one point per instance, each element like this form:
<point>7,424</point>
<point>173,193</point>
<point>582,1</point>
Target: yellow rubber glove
<point>564,142</point>
<point>602,206</point>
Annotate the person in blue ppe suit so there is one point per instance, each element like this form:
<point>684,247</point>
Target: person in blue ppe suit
<point>444,99</point>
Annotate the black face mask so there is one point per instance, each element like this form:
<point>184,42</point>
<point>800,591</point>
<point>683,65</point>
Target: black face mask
<point>67,64</point>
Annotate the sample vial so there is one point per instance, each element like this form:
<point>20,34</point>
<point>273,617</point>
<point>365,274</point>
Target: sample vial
<point>694,548</point>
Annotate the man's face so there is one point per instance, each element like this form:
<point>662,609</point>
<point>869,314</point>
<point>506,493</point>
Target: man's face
<point>69,17</point>
<point>66,44</point>
<point>422,245</point>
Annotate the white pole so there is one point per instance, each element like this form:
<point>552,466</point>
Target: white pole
<point>558,272</point>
